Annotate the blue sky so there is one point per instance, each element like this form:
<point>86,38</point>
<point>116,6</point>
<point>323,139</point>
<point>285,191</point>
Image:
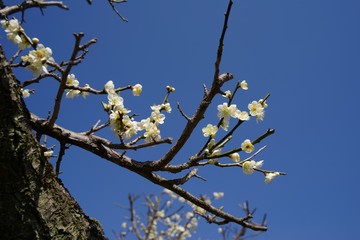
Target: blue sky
<point>305,53</point>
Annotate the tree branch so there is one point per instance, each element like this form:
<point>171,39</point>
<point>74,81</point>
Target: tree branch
<point>8,10</point>
<point>218,81</point>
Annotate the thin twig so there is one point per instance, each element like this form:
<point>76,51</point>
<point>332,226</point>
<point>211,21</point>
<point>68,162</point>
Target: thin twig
<point>182,112</point>
<point>111,2</point>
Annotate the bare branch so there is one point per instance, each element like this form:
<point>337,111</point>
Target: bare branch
<point>144,145</point>
<point>218,81</point>
<point>8,10</point>
<point>77,49</point>
<point>182,112</point>
<point>181,181</point>
<point>60,157</point>
<point>40,77</point>
<point>111,2</point>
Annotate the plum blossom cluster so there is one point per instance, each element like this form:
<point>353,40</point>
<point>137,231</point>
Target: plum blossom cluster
<point>226,111</point>
<point>37,60</point>
<point>124,125</point>
<point>163,221</point>
<point>72,93</point>
<point>15,33</point>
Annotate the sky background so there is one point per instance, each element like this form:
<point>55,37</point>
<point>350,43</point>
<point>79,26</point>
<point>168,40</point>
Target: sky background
<point>305,53</point>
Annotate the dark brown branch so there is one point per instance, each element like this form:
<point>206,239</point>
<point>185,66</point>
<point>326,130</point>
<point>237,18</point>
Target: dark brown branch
<point>96,127</point>
<point>8,10</point>
<point>184,179</point>
<point>144,145</point>
<point>221,41</point>
<point>61,154</point>
<point>40,77</point>
<point>182,112</point>
<point>64,76</point>
<point>100,147</point>
<point>218,81</point>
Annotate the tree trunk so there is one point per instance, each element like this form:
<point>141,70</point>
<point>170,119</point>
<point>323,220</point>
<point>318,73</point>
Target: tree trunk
<point>33,202</point>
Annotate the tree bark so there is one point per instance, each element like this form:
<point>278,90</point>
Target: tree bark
<point>34,204</point>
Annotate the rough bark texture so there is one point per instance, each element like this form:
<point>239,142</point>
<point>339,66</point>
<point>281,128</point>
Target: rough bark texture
<point>33,202</point>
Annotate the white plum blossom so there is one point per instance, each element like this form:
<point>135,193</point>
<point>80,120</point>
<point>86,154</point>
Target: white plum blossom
<point>225,112</point>
<point>244,85</point>
<point>263,103</point>
<point>136,89</point>
<point>243,115</point>
<point>152,133</point>
<point>227,94</point>
<point>72,81</point>
<point>249,166</point>
<point>48,153</point>
<point>37,59</point>
<point>15,33</point>
<point>83,93</point>
<point>247,146</point>
<point>269,177</point>
<point>130,126</point>
<point>166,107</point>
<point>157,117</point>
<point>218,195</point>
<point>189,215</point>
<point>117,103</point>
<point>114,99</point>
<point>124,225</point>
<point>109,87</point>
<point>235,157</point>
<point>156,108</point>
<point>257,110</point>
<point>160,214</point>
<point>25,93</point>
<point>225,124</point>
<point>210,130</point>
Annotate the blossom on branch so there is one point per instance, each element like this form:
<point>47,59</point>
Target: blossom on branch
<point>157,117</point>
<point>247,146</point>
<point>218,195</point>
<point>235,157</point>
<point>109,87</point>
<point>249,166</point>
<point>72,81</point>
<point>136,89</point>
<point>152,132</point>
<point>210,130</point>
<point>244,85</point>
<point>225,112</point>
<point>37,59</point>
<point>257,110</point>
<point>83,93</point>
<point>269,177</point>
<point>25,93</point>
<point>227,94</point>
<point>15,33</point>
<point>242,115</point>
